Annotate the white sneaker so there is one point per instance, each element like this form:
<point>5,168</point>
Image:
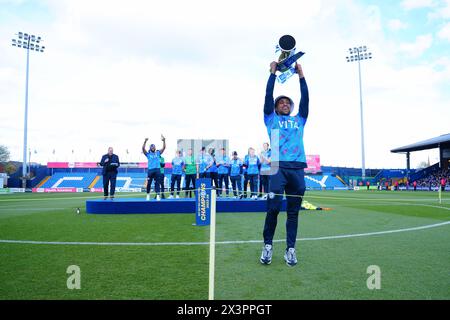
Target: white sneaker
<point>266,255</point>
<point>148,197</point>
<point>290,257</point>
<point>171,197</point>
<point>255,197</point>
<point>178,197</point>
<point>158,197</point>
<point>264,197</point>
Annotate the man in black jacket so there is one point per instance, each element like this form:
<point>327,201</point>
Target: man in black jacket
<point>110,162</point>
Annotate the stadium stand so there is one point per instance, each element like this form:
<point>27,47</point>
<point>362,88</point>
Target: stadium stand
<point>433,179</point>
<point>421,174</point>
<point>126,181</point>
<point>69,180</point>
<point>323,182</point>
<point>138,180</point>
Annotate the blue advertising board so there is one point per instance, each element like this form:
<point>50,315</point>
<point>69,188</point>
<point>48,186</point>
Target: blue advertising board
<point>202,202</point>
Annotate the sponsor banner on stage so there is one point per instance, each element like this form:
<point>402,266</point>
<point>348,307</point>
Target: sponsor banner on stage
<point>313,162</point>
<point>83,165</point>
<point>71,165</point>
<point>128,189</point>
<point>91,165</point>
<point>11,190</point>
<point>203,202</point>
<point>57,190</point>
<point>117,190</point>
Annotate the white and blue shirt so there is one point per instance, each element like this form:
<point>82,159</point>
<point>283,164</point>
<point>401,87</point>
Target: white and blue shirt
<point>235,167</point>
<point>286,131</point>
<point>224,167</point>
<point>153,159</point>
<point>211,164</point>
<point>203,161</point>
<point>252,164</point>
<point>265,166</point>
<point>177,165</point>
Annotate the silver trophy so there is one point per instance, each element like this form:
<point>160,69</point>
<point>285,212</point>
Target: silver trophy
<point>287,57</point>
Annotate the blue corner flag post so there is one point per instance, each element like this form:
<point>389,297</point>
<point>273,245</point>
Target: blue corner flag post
<point>203,202</point>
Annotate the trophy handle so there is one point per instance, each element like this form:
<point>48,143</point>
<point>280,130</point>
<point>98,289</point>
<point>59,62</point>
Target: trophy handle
<point>287,62</point>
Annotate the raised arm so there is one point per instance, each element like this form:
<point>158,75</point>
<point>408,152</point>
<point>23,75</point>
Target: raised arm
<point>269,104</point>
<point>304,100</point>
<point>164,144</point>
<point>143,147</point>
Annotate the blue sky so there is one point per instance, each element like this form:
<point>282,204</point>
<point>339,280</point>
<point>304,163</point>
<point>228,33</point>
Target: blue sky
<point>114,74</point>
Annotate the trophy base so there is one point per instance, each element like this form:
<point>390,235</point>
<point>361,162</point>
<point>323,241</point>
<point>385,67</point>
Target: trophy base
<point>282,78</point>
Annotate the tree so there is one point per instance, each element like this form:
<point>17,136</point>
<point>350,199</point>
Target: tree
<point>4,153</point>
<point>10,168</point>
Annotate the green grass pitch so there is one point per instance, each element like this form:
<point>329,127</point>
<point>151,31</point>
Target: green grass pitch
<point>414,264</point>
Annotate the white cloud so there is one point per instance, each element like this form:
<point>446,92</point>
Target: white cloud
<point>418,47</point>
<point>441,12</point>
<point>417,4</point>
<point>396,25</point>
<point>444,33</point>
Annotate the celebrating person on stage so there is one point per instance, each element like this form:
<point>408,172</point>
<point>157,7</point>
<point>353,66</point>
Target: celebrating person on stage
<point>252,164</point>
<point>177,172</point>
<point>154,167</point>
<point>211,168</point>
<point>202,162</point>
<point>190,173</point>
<point>110,163</point>
<point>287,164</point>
<point>236,175</point>
<point>223,170</point>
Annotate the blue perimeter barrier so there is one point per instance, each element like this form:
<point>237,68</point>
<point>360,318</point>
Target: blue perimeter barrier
<point>140,206</point>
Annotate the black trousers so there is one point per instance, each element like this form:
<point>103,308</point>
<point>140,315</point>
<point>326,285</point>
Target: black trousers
<point>263,183</point>
<point>214,180</point>
<point>253,178</point>
<point>223,178</point>
<point>190,178</point>
<point>109,178</point>
<point>236,184</point>
<point>176,178</point>
<point>160,181</point>
<point>244,187</point>
<point>291,181</point>
<point>203,175</point>
<point>152,175</point>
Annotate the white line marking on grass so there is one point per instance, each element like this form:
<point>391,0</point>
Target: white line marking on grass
<point>223,242</point>
<point>36,209</point>
<point>398,204</point>
<point>373,199</point>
